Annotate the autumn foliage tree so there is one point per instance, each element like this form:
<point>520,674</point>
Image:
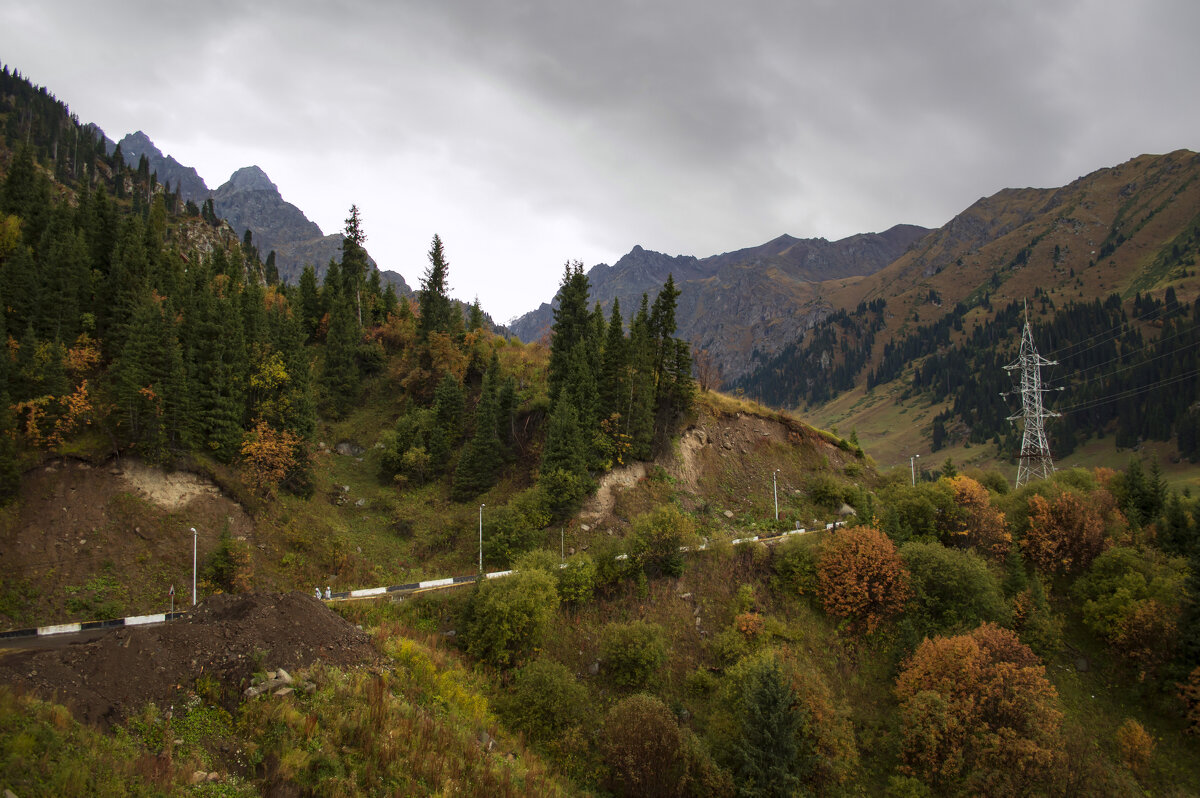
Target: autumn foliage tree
<point>980,525</point>
<point>267,456</point>
<point>862,577</point>
<point>978,714</point>
<point>1065,534</point>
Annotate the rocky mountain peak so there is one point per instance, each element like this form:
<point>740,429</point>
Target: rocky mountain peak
<point>184,179</point>
<point>248,178</point>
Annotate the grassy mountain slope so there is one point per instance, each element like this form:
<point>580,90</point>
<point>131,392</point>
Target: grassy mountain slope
<point>1126,230</point>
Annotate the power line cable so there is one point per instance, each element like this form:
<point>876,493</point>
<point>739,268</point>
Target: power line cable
<point>1092,403</point>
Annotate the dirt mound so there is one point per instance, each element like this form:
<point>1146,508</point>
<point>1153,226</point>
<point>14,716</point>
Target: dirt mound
<point>226,637</point>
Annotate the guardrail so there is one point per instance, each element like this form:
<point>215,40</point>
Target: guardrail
<point>348,595</point>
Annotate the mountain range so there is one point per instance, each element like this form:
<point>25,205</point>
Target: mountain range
<point>743,302</point>
<point>250,201</point>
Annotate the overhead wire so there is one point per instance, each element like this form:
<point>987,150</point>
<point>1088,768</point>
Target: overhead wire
<point>1111,333</point>
<point>1103,400</point>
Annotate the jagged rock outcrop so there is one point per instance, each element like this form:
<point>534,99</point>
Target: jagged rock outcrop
<point>182,178</point>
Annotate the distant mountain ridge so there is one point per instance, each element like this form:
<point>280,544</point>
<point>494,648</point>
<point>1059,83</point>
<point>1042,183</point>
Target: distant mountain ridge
<point>743,302</point>
<point>250,201</point>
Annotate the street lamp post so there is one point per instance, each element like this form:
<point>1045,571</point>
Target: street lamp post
<point>775,492</point>
<point>913,468</point>
<point>195,537</point>
<point>481,537</point>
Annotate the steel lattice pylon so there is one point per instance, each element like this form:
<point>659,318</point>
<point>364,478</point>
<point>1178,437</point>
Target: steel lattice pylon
<point>1035,461</point>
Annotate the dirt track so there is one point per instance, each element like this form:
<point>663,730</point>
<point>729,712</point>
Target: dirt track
<point>228,637</point>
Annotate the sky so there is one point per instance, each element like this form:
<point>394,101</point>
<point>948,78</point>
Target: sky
<point>528,134</point>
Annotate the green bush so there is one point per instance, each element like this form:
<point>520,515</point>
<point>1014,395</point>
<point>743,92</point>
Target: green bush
<point>545,700</point>
<point>795,565</point>
<point>517,527</point>
<point>633,653</point>
<point>657,536</point>
<point>611,572</point>
<point>577,581</point>
<point>825,491</point>
<point>917,513</point>
<point>1132,599</point>
<point>952,590</point>
<point>508,618</point>
<point>642,746</point>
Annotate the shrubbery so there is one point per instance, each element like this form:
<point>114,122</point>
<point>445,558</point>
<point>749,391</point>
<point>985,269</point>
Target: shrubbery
<point>506,619</point>
<point>633,652</point>
<point>545,701</point>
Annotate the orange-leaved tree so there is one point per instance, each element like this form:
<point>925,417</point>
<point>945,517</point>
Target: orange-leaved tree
<point>862,577</point>
<point>978,714</point>
<point>981,524</point>
<point>268,455</point>
<point>1065,534</point>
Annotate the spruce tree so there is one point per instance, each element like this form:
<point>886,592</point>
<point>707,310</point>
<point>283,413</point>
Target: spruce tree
<point>614,368</point>
<point>217,363</point>
<point>641,401</point>
<point>662,326</point>
<point>150,383</point>
<point>772,756</point>
<point>564,475</point>
<point>447,422</point>
<point>475,319</point>
<point>340,375</point>
<point>354,260</point>
<point>309,303</point>
<point>10,470</point>
<point>571,325</point>
<point>435,305</point>
<point>479,466</point>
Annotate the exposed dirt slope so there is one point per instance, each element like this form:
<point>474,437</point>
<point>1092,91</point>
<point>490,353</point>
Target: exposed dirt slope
<point>722,451</point>
<point>226,637</point>
<point>75,521</point>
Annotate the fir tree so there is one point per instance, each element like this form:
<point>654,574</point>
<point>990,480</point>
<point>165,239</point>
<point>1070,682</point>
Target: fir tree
<point>481,460</point>
<point>340,375</point>
<point>309,303</point>
<point>354,260</point>
<point>436,308</point>
<point>447,421</point>
<point>571,325</point>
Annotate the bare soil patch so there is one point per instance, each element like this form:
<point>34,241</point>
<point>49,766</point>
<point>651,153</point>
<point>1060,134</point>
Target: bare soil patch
<point>227,637</point>
<point>75,520</point>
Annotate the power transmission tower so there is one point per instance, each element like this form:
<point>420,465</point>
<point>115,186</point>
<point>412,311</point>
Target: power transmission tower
<point>1035,461</point>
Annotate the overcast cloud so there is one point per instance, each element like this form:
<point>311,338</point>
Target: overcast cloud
<point>530,133</point>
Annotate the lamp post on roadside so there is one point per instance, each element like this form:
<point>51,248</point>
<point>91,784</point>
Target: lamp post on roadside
<point>195,538</point>
<point>481,537</point>
<point>775,492</point>
<point>913,468</point>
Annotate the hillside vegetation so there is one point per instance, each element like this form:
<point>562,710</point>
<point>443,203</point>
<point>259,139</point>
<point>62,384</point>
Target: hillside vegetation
<point>952,637</point>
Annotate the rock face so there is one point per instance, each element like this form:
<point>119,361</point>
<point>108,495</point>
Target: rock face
<point>250,201</point>
<point>185,179</point>
<point>738,303</point>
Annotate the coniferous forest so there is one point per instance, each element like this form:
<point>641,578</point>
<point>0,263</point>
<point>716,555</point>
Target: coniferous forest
<point>146,322</point>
